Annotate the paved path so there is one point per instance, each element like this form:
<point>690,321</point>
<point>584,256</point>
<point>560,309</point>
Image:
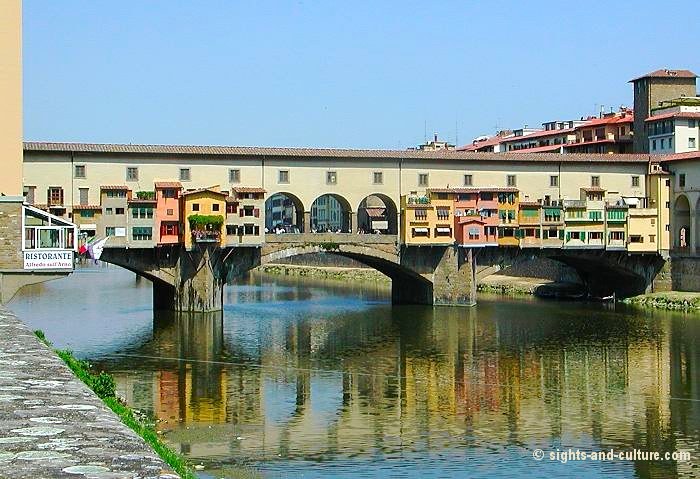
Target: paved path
<point>52,425</point>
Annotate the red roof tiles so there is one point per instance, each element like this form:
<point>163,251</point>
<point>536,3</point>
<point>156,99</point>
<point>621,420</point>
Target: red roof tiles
<point>87,207</point>
<point>202,190</point>
<point>243,189</point>
<point>114,187</point>
<point>329,153</point>
<point>666,73</point>
<point>475,189</point>
<point>677,114</point>
<point>538,134</point>
<point>167,184</point>
<point>688,155</point>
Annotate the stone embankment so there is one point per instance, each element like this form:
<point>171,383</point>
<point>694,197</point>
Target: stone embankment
<point>325,272</point>
<point>675,300</point>
<point>52,425</point>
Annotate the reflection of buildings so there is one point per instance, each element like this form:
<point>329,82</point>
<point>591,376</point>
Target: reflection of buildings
<point>344,384</point>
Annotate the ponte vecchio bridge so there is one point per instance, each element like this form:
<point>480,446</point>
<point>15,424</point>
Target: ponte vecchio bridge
<point>159,205</point>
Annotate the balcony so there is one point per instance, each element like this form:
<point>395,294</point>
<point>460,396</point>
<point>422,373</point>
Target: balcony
<point>206,236</point>
<point>574,203</point>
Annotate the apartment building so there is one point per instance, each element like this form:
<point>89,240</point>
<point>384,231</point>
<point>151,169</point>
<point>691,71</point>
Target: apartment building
<point>141,220</point>
<point>428,219</point>
<point>649,91</point>
<point>167,225</point>
<point>674,126</point>
<point>608,133</point>
<point>202,216</point>
<point>245,219</point>
<point>114,200</point>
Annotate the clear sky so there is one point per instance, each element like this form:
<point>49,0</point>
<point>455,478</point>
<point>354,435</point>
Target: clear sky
<point>370,74</point>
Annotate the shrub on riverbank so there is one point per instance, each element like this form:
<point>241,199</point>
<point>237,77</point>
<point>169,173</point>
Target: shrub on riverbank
<point>104,386</point>
<point>675,300</point>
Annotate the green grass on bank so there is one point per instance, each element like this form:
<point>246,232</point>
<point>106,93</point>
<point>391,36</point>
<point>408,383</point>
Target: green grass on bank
<point>674,300</point>
<point>104,386</point>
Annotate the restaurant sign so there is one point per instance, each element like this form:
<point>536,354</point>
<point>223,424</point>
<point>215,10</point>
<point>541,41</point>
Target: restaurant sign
<point>48,259</point>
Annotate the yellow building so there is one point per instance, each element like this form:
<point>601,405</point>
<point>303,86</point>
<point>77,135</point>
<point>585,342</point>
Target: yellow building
<point>643,236</point>
<point>616,217</point>
<point>11,98</point>
<point>508,205</point>
<point>659,198</point>
<point>428,219</point>
<point>203,213</point>
<point>530,222</point>
<point>87,217</point>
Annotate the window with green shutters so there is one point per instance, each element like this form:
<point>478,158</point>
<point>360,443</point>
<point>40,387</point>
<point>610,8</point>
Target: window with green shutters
<point>142,233</point>
<point>617,215</point>
<point>595,215</point>
<point>552,214</point>
<point>530,213</point>
<point>142,213</point>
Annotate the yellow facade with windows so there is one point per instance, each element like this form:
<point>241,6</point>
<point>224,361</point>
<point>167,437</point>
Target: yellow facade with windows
<point>508,206</point>
<point>208,203</point>
<point>428,219</point>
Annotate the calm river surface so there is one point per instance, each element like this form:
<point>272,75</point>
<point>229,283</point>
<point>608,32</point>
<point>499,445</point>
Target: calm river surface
<point>300,378</point>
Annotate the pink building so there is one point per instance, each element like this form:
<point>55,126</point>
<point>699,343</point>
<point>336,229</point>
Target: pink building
<point>167,214</point>
<point>476,217</point>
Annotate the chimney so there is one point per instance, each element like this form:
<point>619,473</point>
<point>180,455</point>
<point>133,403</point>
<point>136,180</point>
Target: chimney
<point>435,137</point>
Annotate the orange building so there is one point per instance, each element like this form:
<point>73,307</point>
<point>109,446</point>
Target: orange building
<point>167,217</point>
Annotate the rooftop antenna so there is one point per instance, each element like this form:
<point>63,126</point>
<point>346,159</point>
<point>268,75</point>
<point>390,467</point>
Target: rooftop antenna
<point>456,133</point>
<point>425,131</point>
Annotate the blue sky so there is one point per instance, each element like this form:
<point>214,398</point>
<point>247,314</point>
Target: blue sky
<point>335,74</point>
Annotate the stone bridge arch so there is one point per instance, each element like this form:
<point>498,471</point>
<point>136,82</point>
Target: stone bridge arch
<point>408,285</point>
<point>683,234</point>
<point>193,280</point>
<point>602,272</point>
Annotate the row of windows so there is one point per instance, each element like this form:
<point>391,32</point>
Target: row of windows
<point>692,143</point>
<point>377,176</point>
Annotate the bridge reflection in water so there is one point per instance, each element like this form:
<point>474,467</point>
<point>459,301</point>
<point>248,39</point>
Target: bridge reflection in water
<point>297,379</point>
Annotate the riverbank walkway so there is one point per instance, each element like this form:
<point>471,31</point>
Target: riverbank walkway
<point>52,425</point>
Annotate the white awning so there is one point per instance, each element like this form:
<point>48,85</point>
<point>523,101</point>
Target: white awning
<point>88,227</point>
<point>444,230</point>
<point>420,230</point>
<point>631,201</point>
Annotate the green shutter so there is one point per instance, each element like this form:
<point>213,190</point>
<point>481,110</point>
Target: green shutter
<point>561,234</point>
<point>568,236</point>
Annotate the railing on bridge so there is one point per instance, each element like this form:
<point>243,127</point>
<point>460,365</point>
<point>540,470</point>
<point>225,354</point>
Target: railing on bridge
<point>339,238</point>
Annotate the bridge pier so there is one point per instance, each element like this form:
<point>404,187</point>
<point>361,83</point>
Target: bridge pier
<point>445,276</point>
<point>198,282</point>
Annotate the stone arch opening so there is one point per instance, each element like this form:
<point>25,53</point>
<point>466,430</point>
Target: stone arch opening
<point>331,212</point>
<point>284,212</point>
<point>377,213</point>
<point>681,213</point>
<point>407,286</point>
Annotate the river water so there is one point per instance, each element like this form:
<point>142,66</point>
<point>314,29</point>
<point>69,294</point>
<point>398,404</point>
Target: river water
<point>301,378</point>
